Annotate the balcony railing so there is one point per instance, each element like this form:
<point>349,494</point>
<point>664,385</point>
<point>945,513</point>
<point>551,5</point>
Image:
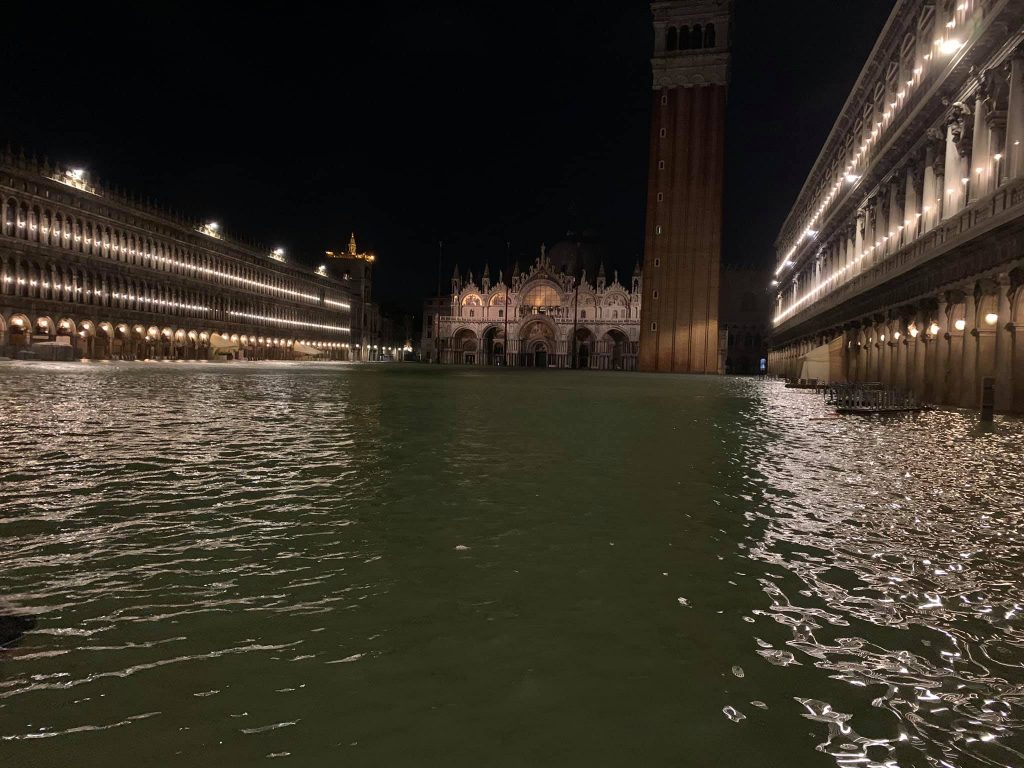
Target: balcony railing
<point>984,215</point>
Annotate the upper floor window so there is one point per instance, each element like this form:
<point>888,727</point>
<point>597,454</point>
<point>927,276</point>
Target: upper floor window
<point>709,36</point>
<point>684,38</point>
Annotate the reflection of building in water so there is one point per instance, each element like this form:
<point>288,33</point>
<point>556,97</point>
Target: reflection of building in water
<point>543,317</point>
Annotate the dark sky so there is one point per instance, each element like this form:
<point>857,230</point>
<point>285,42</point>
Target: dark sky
<point>474,123</point>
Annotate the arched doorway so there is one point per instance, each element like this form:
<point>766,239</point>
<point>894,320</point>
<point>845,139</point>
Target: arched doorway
<point>539,354</point>
<point>584,347</point>
<point>538,343</point>
<point>20,331</point>
<point>494,346</point>
<point>464,347</point>
<point>618,350</point>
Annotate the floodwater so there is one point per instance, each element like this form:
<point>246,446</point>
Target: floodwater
<point>400,565</point>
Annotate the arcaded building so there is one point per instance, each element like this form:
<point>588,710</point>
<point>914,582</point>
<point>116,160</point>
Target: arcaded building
<point>547,316</point>
<point>89,272</point>
<point>902,260</point>
<point>682,252</point>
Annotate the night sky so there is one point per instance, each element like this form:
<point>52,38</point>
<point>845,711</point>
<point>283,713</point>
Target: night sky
<point>473,123</point>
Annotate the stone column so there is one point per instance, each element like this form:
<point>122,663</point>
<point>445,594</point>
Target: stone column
<point>919,383</point>
<point>1004,348</point>
<point>858,245</point>
<point>871,364</point>
<point>937,391</point>
<point>1017,369</point>
<point>911,205</point>
<point>952,194</point>
<point>897,191</point>
<point>955,366</point>
<point>969,360</point>
<point>980,169</point>
<point>1014,159</point>
<point>931,191</point>
<point>903,376</point>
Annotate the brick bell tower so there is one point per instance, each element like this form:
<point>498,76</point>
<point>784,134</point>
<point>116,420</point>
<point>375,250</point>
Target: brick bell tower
<point>682,252</point>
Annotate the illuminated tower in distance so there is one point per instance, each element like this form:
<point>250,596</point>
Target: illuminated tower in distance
<point>682,253</point>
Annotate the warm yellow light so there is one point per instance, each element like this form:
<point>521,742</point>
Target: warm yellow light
<point>960,325</point>
<point>998,156</point>
<point>913,331</point>
<point>933,329</point>
<point>946,47</point>
<point>991,318</point>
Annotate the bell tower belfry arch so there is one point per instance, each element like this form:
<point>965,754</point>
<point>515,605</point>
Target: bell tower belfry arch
<point>683,242</point>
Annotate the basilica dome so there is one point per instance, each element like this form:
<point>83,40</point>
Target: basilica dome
<point>578,252</point>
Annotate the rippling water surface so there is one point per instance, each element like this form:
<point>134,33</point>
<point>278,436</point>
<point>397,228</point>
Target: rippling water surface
<point>404,565</point>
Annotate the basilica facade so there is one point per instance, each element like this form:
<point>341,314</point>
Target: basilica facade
<point>543,317</point>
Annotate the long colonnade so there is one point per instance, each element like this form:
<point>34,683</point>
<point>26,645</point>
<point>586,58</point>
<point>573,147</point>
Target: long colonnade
<point>88,268</point>
<point>903,253</point>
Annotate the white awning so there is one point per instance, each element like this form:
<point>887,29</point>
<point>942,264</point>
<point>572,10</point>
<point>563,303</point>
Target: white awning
<point>815,364</point>
<point>305,349</point>
<point>220,343</point>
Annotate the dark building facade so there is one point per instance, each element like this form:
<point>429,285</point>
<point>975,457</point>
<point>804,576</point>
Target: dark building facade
<point>680,327</point>
<point>745,311</point>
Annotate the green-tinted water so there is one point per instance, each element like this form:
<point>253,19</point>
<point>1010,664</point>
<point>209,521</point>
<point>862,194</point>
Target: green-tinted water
<point>405,565</point>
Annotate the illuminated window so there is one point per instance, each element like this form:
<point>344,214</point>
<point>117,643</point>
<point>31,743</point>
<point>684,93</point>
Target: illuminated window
<point>541,296</point>
<point>657,230</point>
